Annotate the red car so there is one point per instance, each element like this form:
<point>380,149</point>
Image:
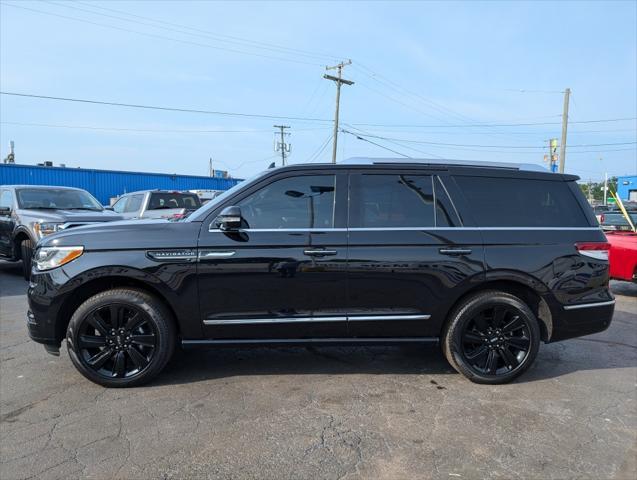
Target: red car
<point>623,255</point>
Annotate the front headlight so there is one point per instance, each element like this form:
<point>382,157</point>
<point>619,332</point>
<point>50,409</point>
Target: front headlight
<point>43,229</point>
<point>47,258</point>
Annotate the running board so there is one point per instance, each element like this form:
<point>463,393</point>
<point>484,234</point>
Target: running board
<point>305,341</point>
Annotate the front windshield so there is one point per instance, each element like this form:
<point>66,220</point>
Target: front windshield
<point>212,204</point>
<point>56,199</point>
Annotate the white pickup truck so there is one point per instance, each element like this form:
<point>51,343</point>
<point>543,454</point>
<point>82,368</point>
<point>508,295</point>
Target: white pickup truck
<point>167,204</point>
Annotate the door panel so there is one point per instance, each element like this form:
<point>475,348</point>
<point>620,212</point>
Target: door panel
<point>402,275</point>
<point>277,282</point>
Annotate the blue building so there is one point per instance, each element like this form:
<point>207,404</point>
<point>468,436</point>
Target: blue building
<point>627,188</point>
<point>107,184</point>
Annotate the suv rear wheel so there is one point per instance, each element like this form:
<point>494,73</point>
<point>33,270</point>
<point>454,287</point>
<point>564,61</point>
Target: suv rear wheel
<point>492,337</point>
<point>121,338</point>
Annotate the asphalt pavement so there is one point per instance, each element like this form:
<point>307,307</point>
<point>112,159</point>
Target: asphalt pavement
<point>321,412</point>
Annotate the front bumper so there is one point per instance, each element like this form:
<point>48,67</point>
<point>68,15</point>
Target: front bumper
<point>45,298</point>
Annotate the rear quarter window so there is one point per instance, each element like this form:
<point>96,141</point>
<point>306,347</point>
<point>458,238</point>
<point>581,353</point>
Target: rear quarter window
<point>520,202</point>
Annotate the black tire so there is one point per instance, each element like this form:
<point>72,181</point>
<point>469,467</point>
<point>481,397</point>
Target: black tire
<point>478,331</point>
<point>26,253</point>
<point>121,337</point>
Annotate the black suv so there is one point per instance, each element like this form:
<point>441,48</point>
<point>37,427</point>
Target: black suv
<point>488,260</point>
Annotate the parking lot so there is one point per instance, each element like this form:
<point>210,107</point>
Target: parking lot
<point>382,412</point>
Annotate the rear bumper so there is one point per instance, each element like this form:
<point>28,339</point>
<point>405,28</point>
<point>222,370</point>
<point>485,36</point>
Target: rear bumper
<point>582,319</point>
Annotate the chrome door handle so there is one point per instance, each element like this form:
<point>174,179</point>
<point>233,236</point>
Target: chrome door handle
<point>226,254</point>
<point>455,251</point>
<point>319,252</point>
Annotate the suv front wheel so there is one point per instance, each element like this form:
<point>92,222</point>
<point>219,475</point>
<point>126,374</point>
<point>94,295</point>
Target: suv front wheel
<point>492,337</point>
<point>26,253</point>
<point>121,337</point>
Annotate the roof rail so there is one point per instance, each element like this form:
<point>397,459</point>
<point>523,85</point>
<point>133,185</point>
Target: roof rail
<point>436,162</point>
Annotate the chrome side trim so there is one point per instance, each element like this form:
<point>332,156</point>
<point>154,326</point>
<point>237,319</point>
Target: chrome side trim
<point>368,318</point>
<point>589,305</point>
<point>256,321</point>
<point>274,320</point>
<point>308,341</point>
<point>283,230</point>
<point>222,254</point>
<point>398,229</point>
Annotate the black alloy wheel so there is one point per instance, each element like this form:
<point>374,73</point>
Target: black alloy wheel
<point>121,337</point>
<point>496,340</point>
<point>117,341</point>
<point>491,337</point>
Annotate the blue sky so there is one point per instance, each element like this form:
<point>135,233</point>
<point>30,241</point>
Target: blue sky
<point>424,71</point>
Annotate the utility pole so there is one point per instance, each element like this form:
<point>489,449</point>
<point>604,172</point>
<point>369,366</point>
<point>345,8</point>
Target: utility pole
<point>211,172</point>
<point>567,94</point>
<point>339,81</point>
<point>284,147</point>
<point>11,157</point>
<point>605,188</point>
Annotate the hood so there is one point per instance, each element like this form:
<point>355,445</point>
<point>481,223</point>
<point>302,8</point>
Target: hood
<point>73,216</point>
<point>128,235</point>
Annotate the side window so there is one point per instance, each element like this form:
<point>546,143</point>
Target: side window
<point>6,199</point>
<point>295,202</point>
<point>391,200</point>
<point>134,203</point>
<point>519,202</point>
<point>120,204</point>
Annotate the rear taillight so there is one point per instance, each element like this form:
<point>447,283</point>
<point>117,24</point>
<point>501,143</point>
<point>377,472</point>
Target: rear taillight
<point>596,250</point>
<point>602,218</point>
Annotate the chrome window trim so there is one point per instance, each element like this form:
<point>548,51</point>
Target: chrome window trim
<point>453,205</point>
<point>589,305</point>
<point>399,229</point>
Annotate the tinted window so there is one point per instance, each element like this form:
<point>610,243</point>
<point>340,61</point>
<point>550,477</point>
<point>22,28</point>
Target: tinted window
<point>134,203</point>
<point>6,200</point>
<point>120,204</point>
<point>52,199</point>
<point>516,202</point>
<point>297,202</point>
<point>164,200</point>
<point>391,201</point>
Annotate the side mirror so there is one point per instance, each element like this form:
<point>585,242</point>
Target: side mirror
<point>5,211</point>
<point>229,219</point>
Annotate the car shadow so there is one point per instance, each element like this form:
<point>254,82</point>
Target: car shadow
<point>627,289</point>
<point>207,364</point>
<point>11,280</point>
<point>553,361</point>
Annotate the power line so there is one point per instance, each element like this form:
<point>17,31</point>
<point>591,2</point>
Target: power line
<point>308,119</point>
<point>143,130</point>
<point>168,109</point>
<point>257,44</point>
<point>399,144</point>
<point>374,143</point>
<point>317,153</point>
<point>491,146</point>
<point>162,37</point>
<point>490,124</point>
